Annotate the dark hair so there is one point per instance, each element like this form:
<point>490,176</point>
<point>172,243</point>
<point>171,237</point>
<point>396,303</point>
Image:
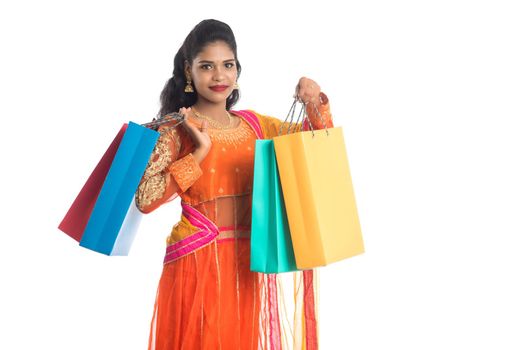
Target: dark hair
<point>208,31</point>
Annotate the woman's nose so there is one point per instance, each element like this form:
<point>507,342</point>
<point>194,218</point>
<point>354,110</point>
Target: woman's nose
<point>218,74</point>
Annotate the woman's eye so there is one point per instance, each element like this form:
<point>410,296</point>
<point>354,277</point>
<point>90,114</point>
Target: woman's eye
<point>230,65</point>
<point>206,66</point>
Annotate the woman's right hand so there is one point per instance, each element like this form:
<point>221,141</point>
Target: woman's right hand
<point>199,136</point>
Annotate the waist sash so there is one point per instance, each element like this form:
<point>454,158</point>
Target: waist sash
<point>208,231</point>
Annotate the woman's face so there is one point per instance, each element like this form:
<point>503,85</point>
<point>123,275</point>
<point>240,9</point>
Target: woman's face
<point>214,72</point>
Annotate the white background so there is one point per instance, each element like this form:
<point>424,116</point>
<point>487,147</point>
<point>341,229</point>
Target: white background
<point>430,96</point>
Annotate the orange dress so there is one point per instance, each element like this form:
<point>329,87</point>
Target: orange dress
<point>207,296</point>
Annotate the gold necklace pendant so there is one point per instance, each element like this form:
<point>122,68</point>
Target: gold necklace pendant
<point>212,122</point>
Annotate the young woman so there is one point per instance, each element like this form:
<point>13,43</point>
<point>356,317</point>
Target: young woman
<point>207,296</point>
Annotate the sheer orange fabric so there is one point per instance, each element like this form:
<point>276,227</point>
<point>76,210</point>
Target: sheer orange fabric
<point>207,296</point>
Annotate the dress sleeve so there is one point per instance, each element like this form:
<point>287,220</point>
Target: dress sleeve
<point>271,126</point>
<point>166,175</point>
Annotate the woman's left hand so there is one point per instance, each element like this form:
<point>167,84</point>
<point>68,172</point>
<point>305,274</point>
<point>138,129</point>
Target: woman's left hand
<point>307,90</point>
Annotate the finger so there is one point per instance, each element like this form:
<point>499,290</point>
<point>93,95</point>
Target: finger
<point>303,96</point>
<point>189,127</point>
<point>303,80</point>
<point>301,85</point>
<point>203,127</point>
<point>184,111</point>
<point>300,93</point>
<point>306,90</point>
<point>312,93</point>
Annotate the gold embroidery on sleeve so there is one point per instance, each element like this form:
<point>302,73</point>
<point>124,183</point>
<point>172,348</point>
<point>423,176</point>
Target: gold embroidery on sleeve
<point>151,190</point>
<point>153,185</point>
<point>162,156</point>
<point>186,171</point>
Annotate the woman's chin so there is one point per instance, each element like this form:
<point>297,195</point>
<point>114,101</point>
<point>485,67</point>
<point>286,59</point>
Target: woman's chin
<point>216,98</point>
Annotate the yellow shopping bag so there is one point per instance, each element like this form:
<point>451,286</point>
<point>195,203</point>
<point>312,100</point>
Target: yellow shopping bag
<point>319,197</point>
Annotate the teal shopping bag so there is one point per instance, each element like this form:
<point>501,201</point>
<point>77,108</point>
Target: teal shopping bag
<point>271,247</point>
<point>113,222</point>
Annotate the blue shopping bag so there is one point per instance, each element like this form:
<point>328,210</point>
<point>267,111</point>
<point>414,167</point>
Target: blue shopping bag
<point>114,220</point>
<point>271,247</point>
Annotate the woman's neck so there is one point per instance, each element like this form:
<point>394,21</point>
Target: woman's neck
<point>216,111</point>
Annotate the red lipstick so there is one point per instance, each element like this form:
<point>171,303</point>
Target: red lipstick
<point>218,88</point>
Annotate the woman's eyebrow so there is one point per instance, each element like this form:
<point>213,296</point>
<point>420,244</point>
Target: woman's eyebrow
<point>206,61</point>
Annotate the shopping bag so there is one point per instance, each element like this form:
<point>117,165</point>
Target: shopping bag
<point>103,216</point>
<point>112,225</point>
<point>319,197</point>
<point>271,248</point>
<point>76,218</point>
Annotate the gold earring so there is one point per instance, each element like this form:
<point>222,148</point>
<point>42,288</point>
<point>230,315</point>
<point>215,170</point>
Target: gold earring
<point>236,86</point>
<point>189,87</point>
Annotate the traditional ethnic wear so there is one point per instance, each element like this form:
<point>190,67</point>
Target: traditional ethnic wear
<point>207,296</point>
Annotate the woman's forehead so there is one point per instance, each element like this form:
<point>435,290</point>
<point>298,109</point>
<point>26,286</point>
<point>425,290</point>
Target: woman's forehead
<point>215,51</point>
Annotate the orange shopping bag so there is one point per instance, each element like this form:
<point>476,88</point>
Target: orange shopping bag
<point>318,195</point>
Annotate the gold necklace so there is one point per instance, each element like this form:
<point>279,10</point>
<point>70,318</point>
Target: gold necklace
<point>213,122</point>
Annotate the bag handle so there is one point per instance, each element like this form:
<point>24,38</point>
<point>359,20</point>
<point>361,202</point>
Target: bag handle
<point>156,123</point>
<point>302,114</point>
